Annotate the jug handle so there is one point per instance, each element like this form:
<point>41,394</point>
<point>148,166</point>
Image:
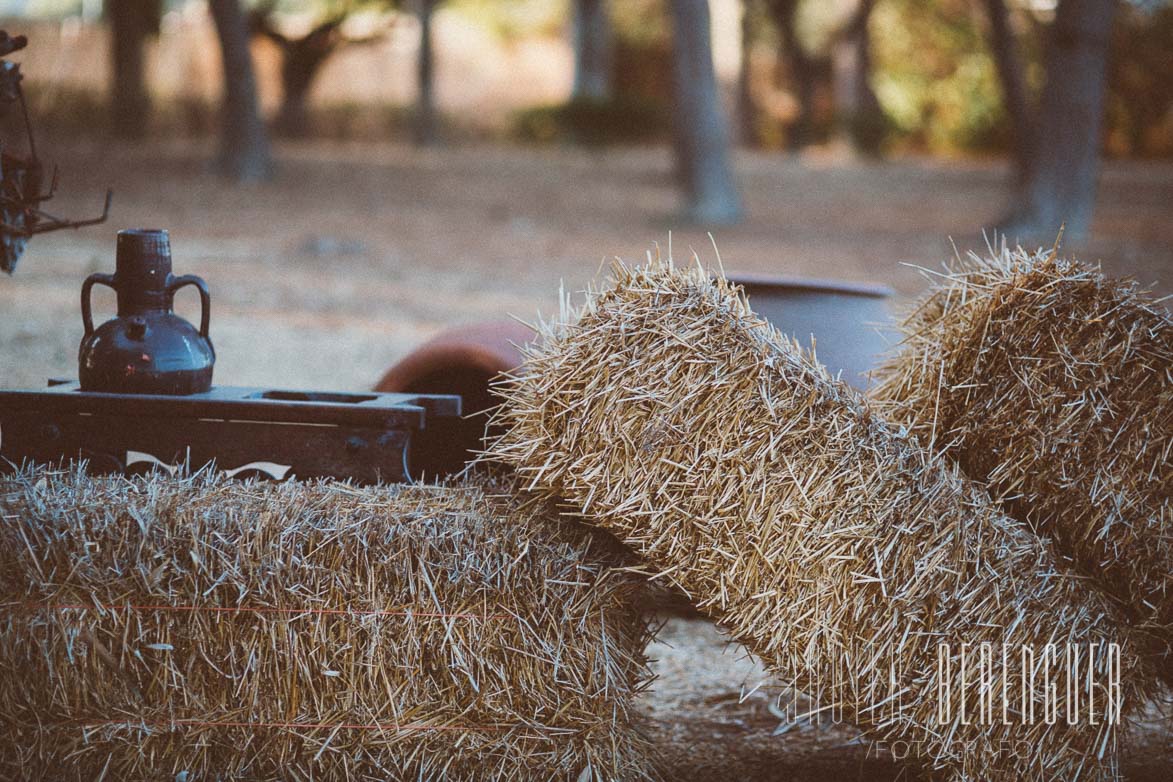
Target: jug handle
<point>205,298</point>
<point>87,317</point>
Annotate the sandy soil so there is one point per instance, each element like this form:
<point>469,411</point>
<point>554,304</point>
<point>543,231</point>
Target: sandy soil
<point>354,254</point>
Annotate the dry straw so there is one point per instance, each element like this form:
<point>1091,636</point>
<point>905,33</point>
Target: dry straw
<point>1054,384</point>
<point>199,629</point>
<point>856,564</point>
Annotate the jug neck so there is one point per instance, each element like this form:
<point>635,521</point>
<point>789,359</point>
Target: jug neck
<point>143,271</point>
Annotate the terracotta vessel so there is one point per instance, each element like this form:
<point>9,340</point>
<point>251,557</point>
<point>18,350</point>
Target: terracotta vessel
<point>463,360</point>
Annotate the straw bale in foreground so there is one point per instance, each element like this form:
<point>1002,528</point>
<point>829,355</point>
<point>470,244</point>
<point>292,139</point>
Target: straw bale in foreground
<point>200,629</point>
<point>852,561</point>
<point>1054,384</point>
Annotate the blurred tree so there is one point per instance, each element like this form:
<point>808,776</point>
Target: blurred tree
<point>747,113</point>
<point>517,20</point>
<point>857,108</point>
<point>1013,83</point>
<point>824,58</point>
<point>1140,81</point>
<point>592,51</point>
<point>1060,187</point>
<point>302,57</point>
<point>936,78</point>
<point>643,51</point>
<point>959,76</point>
<point>425,112</point>
<point>806,71</point>
<point>244,145</point>
<point>701,138</point>
<point>132,22</point>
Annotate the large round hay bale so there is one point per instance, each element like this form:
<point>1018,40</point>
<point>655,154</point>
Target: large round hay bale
<point>859,567</point>
<point>1054,384</point>
<point>201,630</point>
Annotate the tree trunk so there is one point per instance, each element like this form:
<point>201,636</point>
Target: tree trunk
<point>866,122</point>
<point>1062,185</point>
<point>1013,83</point>
<point>293,118</point>
<point>302,61</point>
<point>800,69</point>
<point>592,51</point>
<point>701,136</point>
<point>747,114</point>
<point>132,22</point>
<point>244,146</point>
<point>425,111</point>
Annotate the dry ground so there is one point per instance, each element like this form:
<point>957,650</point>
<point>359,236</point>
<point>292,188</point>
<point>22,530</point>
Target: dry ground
<point>715,715</point>
<point>354,254</point>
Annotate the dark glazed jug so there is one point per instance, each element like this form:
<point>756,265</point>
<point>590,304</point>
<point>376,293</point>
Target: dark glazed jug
<point>147,349</point>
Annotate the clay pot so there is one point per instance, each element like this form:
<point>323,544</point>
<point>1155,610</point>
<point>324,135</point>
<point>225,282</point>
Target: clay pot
<point>463,360</point>
<point>147,349</point>
<point>850,322</point>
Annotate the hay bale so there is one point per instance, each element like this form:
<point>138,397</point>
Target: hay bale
<point>1054,384</point>
<point>200,629</point>
<point>857,565</point>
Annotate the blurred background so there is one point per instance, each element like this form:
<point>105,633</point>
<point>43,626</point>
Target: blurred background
<point>354,177</point>
<point>364,173</point>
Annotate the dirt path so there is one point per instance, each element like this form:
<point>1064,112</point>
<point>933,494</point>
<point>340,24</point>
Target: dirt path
<point>354,254</point>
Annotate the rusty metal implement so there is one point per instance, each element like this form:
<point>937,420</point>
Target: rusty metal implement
<point>22,176</point>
